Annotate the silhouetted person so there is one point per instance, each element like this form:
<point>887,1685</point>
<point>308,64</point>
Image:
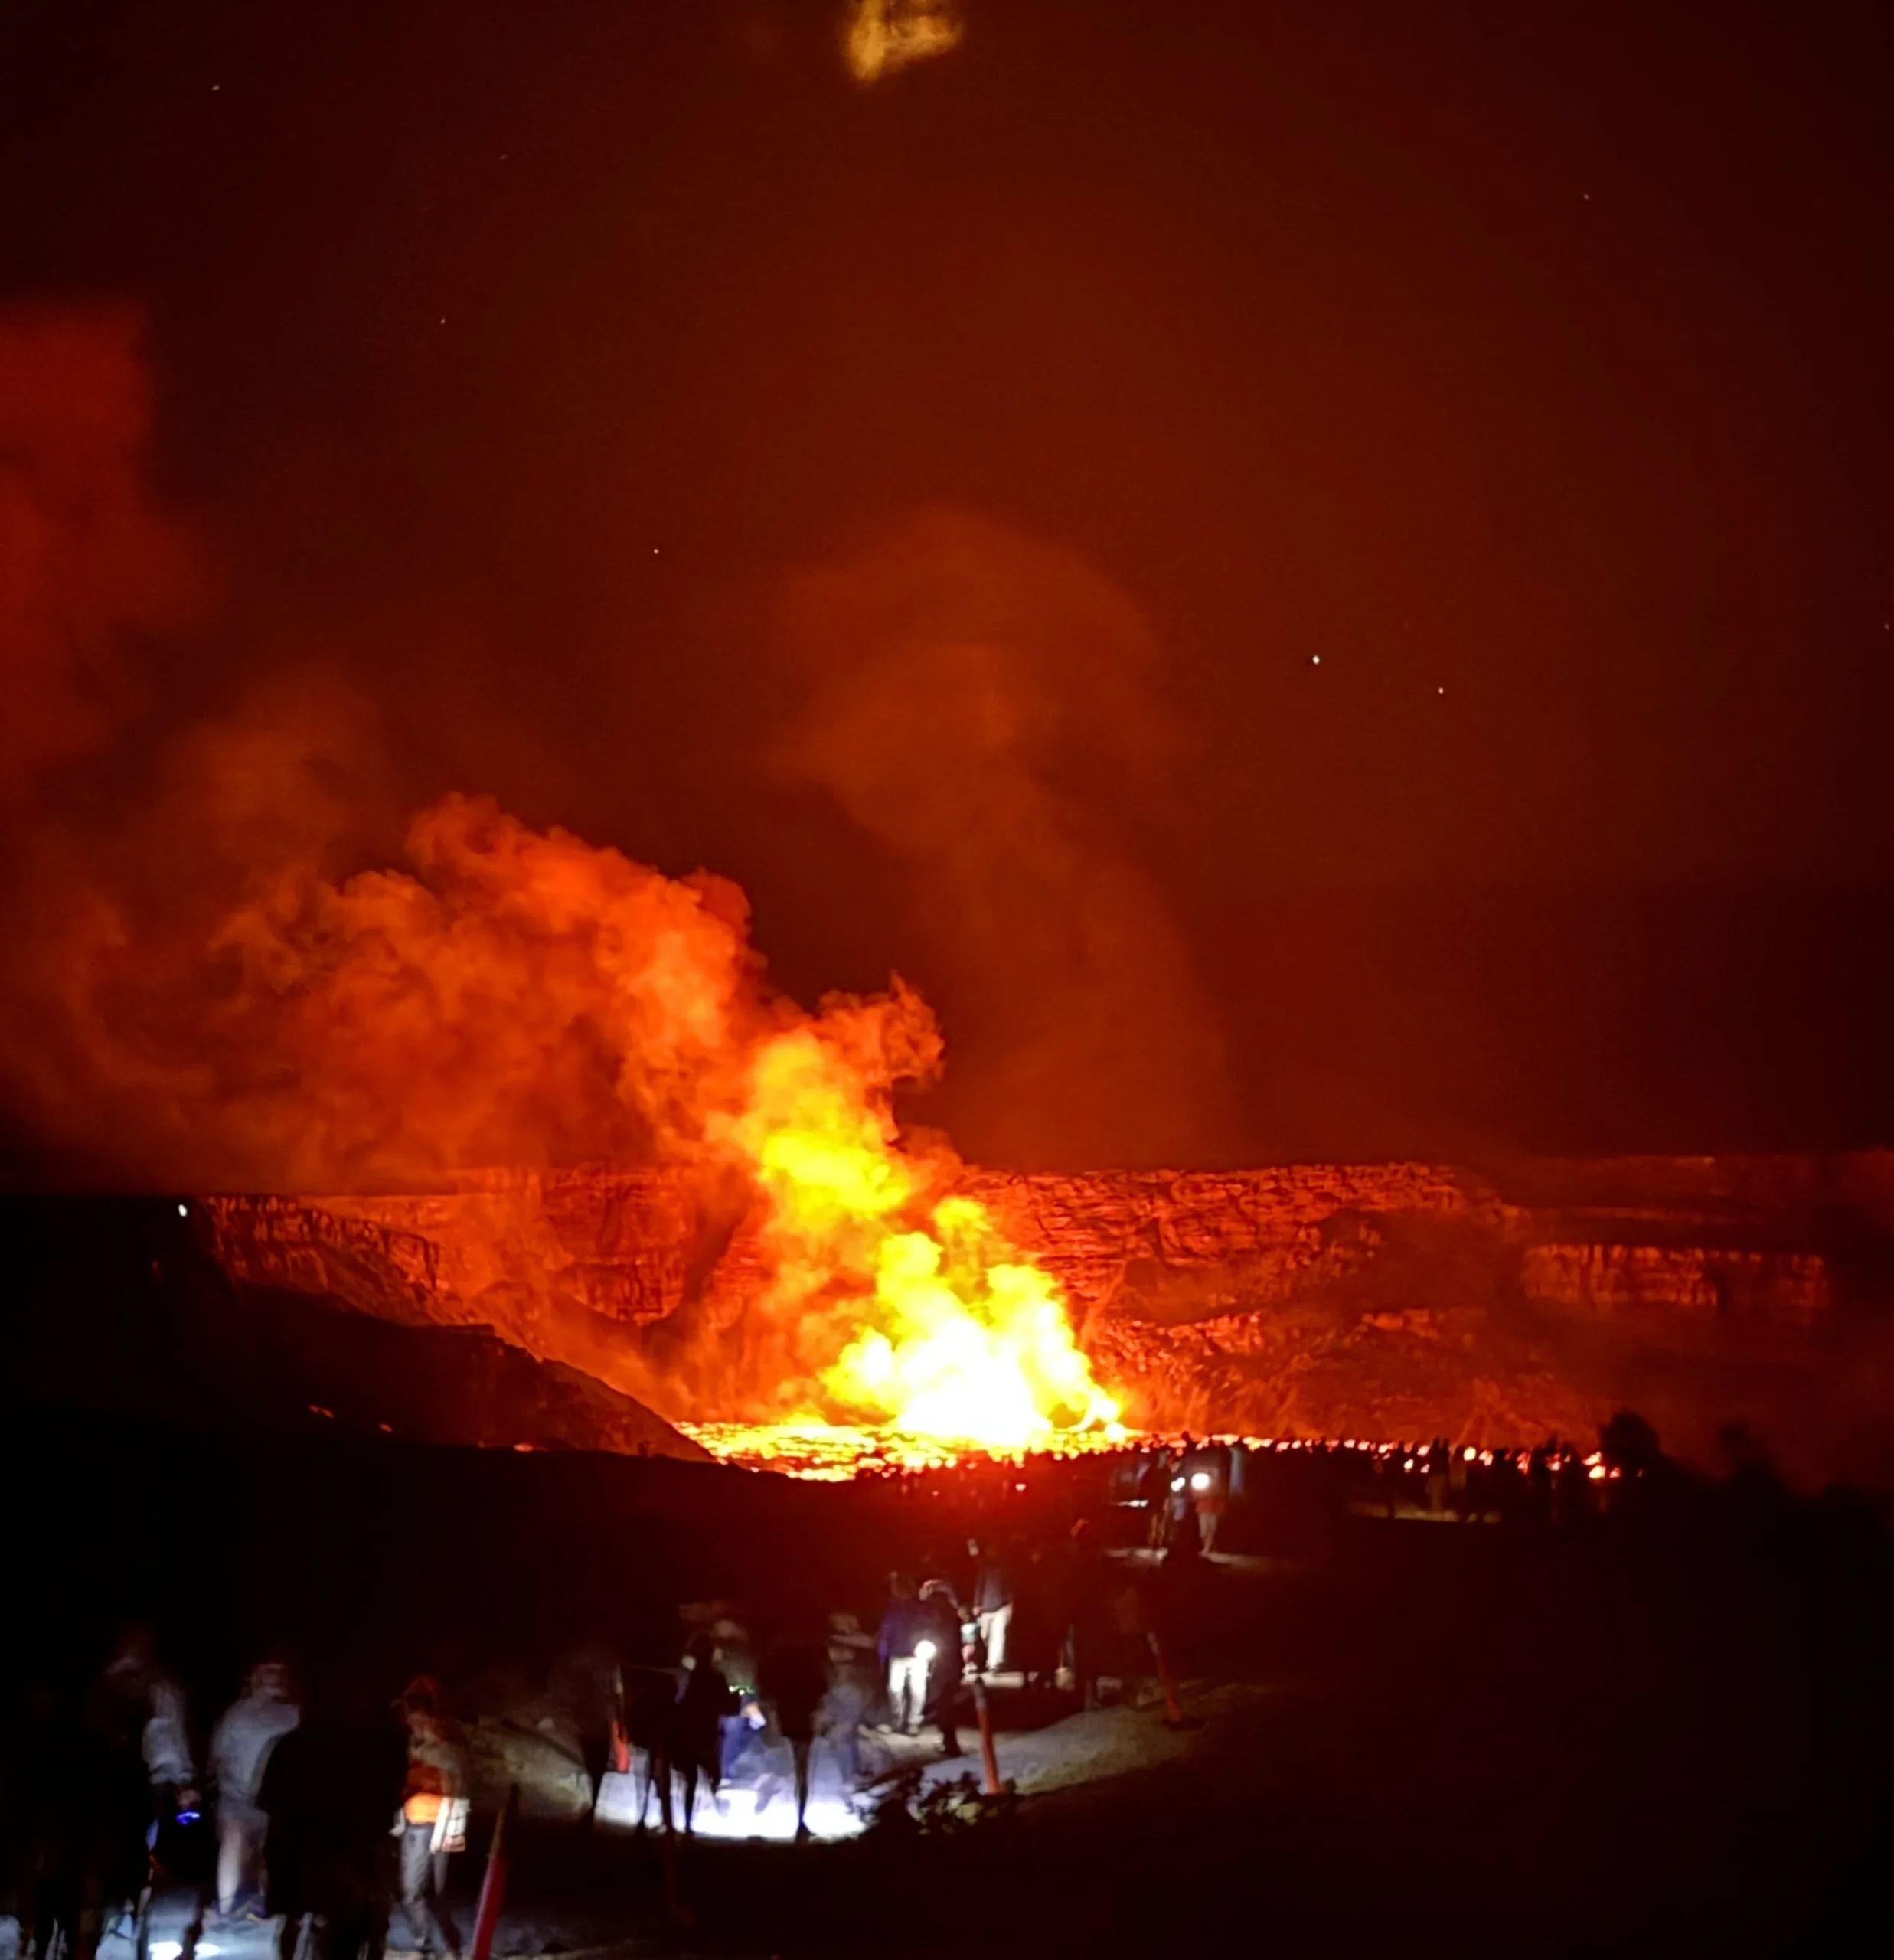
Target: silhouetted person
<point>945,1664</point>
<point>587,1685</point>
<point>84,1812</point>
<point>1084,1592</point>
<point>1154,1491</point>
<point>365,1773</point>
<point>992,1605</point>
<point>1036,1630</point>
<point>136,1717</point>
<point>1539,1481</point>
<point>1630,1445</point>
<point>705,1699</point>
<point>290,1799</point>
<point>794,1683</point>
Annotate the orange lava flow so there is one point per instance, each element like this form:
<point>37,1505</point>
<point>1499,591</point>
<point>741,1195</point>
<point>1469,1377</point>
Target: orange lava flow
<point>948,1331</point>
<point>838,1452</point>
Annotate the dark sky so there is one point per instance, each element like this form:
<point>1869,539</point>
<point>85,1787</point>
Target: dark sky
<point>1488,408</point>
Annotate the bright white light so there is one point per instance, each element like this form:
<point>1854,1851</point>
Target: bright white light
<point>183,1211</point>
<point>1201,1481</point>
<point>166,1949</point>
<point>923,1649</point>
<point>734,1812</point>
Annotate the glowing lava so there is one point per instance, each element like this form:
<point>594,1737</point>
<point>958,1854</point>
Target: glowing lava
<point>836,1453</point>
<point>947,1330</point>
<point>525,998</point>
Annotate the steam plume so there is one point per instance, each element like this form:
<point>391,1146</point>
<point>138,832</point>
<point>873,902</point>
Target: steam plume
<point>963,682</point>
<point>87,564</point>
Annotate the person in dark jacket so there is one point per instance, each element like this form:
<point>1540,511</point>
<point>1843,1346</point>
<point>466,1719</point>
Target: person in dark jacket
<point>84,1796</point>
<point>903,1631</point>
<point>136,1724</point>
<point>705,1700</point>
<point>330,1791</point>
<point>1084,1591</point>
<point>1154,1492</point>
<point>1037,1631</point>
<point>587,1686</point>
<point>991,1604</point>
<point>793,1681</point>
<point>290,1803</point>
<point>371,1762</point>
<point>945,1663</point>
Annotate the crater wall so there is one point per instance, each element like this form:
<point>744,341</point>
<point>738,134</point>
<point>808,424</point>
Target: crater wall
<point>1379,1300</point>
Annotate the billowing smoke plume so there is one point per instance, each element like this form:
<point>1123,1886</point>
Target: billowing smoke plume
<point>88,566</point>
<point>221,980</point>
<point>236,962</point>
<point>962,681</point>
<point>504,996</point>
<point>239,961</point>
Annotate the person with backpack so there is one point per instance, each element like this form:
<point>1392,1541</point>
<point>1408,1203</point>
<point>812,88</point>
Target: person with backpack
<point>434,1816</point>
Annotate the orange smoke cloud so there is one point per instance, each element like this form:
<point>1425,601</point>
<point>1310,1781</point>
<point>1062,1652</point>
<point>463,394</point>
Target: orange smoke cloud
<point>882,37</point>
<point>221,981</point>
<point>87,562</point>
<point>520,997</point>
<point>963,679</point>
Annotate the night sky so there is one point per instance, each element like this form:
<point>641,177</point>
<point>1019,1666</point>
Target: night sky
<point>1426,472</point>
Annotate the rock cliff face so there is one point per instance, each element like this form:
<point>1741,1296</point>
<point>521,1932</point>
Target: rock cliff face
<point>113,1311</point>
<point>1378,1300</point>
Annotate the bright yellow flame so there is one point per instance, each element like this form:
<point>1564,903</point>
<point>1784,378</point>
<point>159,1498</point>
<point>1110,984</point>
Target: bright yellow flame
<point>956,1335</point>
<point>884,35</point>
<point>968,1345</point>
<point>829,1452</point>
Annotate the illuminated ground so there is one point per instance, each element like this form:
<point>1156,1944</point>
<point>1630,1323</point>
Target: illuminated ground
<point>1661,1730</point>
<point>568,1915</point>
